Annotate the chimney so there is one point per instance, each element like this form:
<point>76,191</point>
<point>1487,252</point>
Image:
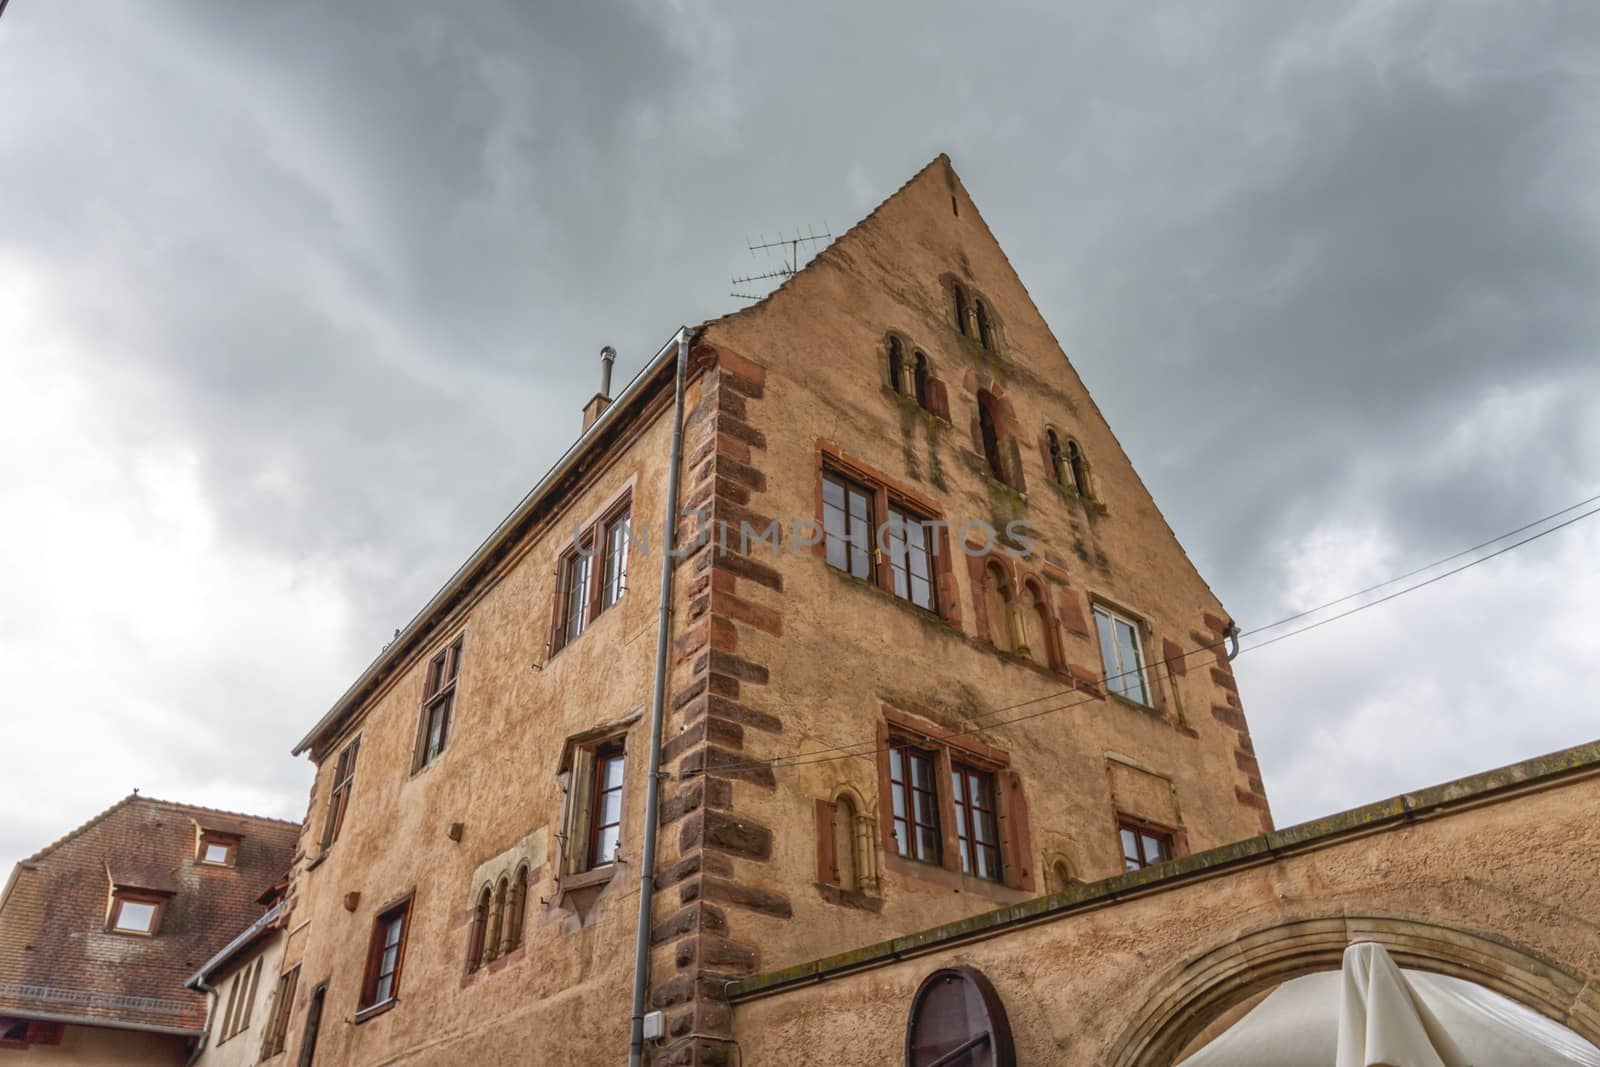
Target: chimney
<point>601,400</point>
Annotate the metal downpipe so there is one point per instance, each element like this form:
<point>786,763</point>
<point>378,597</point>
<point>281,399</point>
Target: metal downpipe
<point>658,701</point>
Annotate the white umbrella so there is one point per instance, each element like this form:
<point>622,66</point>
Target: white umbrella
<point>1374,1009</point>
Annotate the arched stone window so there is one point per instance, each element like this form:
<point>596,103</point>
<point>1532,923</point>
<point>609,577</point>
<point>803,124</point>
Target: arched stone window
<point>991,435</point>
<point>847,855</point>
<point>516,906</point>
<point>1078,467</point>
<point>997,605</point>
<point>919,380</point>
<point>958,1018</point>
<point>985,332</point>
<point>497,916</point>
<point>897,378</point>
<point>961,309</point>
<point>1036,625</point>
<point>1058,462</point>
<point>480,926</point>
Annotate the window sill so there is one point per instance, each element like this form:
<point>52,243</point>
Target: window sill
<point>927,615</point>
<point>375,1010</point>
<point>954,880</point>
<point>587,879</point>
<point>1129,702</point>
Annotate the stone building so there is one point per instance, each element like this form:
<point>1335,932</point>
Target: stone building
<point>973,664</point>
<point>100,930</point>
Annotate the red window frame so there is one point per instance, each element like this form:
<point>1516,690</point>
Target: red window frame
<point>344,779</point>
<point>438,703</point>
<point>607,754</point>
<point>977,822</point>
<point>390,928</point>
<point>915,827</point>
<point>1143,845</point>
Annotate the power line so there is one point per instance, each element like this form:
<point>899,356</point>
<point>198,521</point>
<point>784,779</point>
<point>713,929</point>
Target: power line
<point>871,747</point>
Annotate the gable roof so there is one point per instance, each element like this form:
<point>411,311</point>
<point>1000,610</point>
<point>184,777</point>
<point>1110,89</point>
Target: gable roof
<point>58,961</point>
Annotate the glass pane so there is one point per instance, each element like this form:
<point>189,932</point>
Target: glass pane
<point>384,989</point>
<point>983,827</point>
<point>927,844</point>
<point>1130,846</point>
<point>391,956</point>
<point>898,792</point>
<point>1132,662</point>
<point>921,771</point>
<point>922,593</point>
<point>391,936</point>
<point>988,864</point>
<point>958,792</point>
<point>1108,649</point>
<point>216,853</point>
<point>860,506</point>
<point>896,771</point>
<point>611,777</point>
<point>966,855</point>
<point>136,916</point>
<point>981,790</point>
<point>901,844</point>
<point>606,844</point>
<point>832,493</point>
<point>610,808</point>
<point>925,809</point>
<point>860,562</point>
<point>1154,851</point>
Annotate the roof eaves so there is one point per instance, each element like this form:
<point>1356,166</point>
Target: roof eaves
<point>196,981</point>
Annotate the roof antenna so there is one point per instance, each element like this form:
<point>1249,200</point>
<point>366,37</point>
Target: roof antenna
<point>790,262</point>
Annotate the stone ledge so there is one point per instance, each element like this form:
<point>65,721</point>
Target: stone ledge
<point>1540,772</point>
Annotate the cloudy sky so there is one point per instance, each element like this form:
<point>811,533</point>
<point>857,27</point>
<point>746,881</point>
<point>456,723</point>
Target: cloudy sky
<point>297,299</point>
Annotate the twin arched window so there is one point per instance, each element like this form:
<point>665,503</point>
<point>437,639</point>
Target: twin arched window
<point>497,919</point>
<point>914,381</point>
<point>972,318</point>
<point>1067,465</point>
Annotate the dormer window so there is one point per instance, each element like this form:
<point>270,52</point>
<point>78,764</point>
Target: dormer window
<point>133,912</point>
<point>217,850</point>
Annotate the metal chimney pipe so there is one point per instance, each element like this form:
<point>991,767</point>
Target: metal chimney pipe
<point>608,356</point>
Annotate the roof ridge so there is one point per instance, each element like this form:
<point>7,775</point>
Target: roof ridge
<point>94,820</point>
<point>942,157</point>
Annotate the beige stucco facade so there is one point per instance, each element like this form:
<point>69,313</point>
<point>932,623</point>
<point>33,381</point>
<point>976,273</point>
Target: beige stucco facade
<point>241,1004</point>
<point>102,1046</point>
<point>1491,879</point>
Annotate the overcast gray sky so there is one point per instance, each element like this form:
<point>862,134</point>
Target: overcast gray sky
<point>297,299</point>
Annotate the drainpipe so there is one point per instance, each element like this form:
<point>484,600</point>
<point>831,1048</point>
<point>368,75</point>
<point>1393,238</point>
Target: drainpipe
<point>658,701</point>
<point>1231,634</point>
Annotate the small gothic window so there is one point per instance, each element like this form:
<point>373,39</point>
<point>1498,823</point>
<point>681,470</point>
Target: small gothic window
<point>919,374</point>
<point>844,843</point>
<point>1058,466</point>
<point>991,436</point>
<point>1075,462</point>
<point>896,366</point>
<point>985,335</point>
<point>516,906</point>
<point>957,1020</point>
<point>1036,625</point>
<point>497,915</point>
<point>961,310</point>
<point>480,928</point>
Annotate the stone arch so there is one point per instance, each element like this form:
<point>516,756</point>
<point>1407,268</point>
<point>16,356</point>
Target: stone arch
<point>1192,995</point>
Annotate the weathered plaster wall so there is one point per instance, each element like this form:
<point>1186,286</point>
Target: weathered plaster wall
<point>1499,889</point>
<point>243,1048</point>
<point>94,1046</point>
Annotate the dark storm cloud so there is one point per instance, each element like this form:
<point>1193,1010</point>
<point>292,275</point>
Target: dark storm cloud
<point>358,260</point>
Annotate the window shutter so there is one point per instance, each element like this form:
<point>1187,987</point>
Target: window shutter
<point>1016,841</point>
<point>552,643</point>
<point>938,399</point>
<point>1044,455</point>
<point>827,845</point>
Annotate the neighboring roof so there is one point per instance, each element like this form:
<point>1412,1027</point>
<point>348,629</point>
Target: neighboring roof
<point>58,961</point>
<point>1541,772</point>
<point>247,938</point>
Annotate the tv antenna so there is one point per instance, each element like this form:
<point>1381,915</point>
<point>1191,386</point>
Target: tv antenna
<point>789,251</point>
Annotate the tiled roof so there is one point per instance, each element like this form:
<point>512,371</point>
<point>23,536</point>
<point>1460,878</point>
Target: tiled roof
<point>56,958</point>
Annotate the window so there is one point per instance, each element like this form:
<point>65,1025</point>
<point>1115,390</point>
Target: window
<point>915,797</point>
<point>591,576</point>
<point>958,1020</point>
<point>386,956</point>
<point>977,828</point>
<point>617,533</point>
<point>919,382</point>
<point>344,781</point>
<point>605,807</point>
<point>1036,625</point>
<point>911,557</point>
<point>1078,468</point>
<point>897,379</point>
<point>1143,845</point>
<point>278,1022</point>
<point>1122,655</point>
<point>308,1041</point>
<point>135,913</point>
<point>438,704</point>
<point>516,905</point>
<point>216,850</point>
<point>1058,470</point>
<point>985,334</point>
<point>961,310</point>
<point>997,606</point>
<point>478,944</point>
<point>497,918</point>
<point>847,526</point>
<point>991,436</point>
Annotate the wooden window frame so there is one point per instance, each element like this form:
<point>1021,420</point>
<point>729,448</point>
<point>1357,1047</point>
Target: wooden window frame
<point>316,1003</point>
<point>210,839</point>
<point>276,1038</point>
<point>969,814</point>
<point>440,684</point>
<point>909,750</point>
<point>615,536</point>
<point>589,557</point>
<point>1142,829</point>
<point>1122,675</point>
<point>851,490</point>
<point>372,976</point>
<point>344,780</point>
<point>885,496</point>
<point>603,753</point>
<point>119,897</point>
